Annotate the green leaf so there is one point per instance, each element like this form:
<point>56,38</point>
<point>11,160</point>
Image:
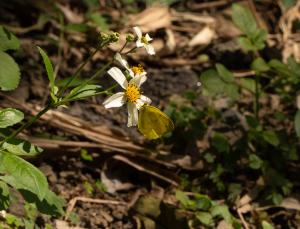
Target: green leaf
<point>8,40</point>
<point>220,143</point>
<point>248,84</point>
<point>21,147</point>
<point>78,27</point>
<point>246,44</point>
<point>223,212</point>
<point>212,82</point>
<point>86,91</point>
<point>271,137</point>
<point>255,162</point>
<point>4,196</point>
<point>276,198</point>
<point>205,218</point>
<point>10,117</point>
<point>232,91</point>
<point>259,65</point>
<point>22,175</point>
<point>14,221</point>
<point>258,38</point>
<point>297,123</point>
<point>182,198</point>
<point>202,202</point>
<point>9,72</point>
<point>243,19</point>
<point>224,73</point>
<point>85,155</point>
<point>288,3</point>
<point>49,67</point>
<point>281,68</point>
<point>266,225</point>
<point>50,205</point>
<point>99,21</point>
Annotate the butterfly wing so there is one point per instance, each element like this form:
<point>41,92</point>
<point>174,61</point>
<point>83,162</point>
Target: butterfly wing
<point>153,123</point>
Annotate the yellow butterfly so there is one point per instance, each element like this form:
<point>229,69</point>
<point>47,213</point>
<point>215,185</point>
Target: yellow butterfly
<point>153,123</point>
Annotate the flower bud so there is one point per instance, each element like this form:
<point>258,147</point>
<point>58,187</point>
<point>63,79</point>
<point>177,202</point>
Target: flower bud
<point>130,38</point>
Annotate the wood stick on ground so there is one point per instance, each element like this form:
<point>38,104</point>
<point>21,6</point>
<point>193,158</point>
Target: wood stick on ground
<point>73,202</point>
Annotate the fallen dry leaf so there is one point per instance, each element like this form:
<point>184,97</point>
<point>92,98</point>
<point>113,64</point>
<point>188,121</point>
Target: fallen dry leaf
<point>152,18</point>
<point>291,203</point>
<point>204,37</point>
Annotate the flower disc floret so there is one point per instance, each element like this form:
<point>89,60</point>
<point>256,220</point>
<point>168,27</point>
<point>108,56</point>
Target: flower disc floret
<point>143,41</point>
<point>137,70</point>
<point>132,93</point>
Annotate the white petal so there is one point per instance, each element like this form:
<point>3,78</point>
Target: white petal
<point>150,49</point>
<point>116,100</point>
<point>138,80</point>
<point>138,31</point>
<point>122,61</point>
<point>132,114</point>
<point>118,76</point>
<point>145,99</point>
<point>139,43</point>
<point>139,104</point>
<point>142,100</point>
<point>148,38</point>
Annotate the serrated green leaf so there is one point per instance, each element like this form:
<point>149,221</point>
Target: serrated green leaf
<point>243,19</point>
<point>20,174</point>
<point>49,67</point>
<point>281,68</point>
<point>202,202</point>
<point>297,123</point>
<point>260,65</point>
<point>8,41</point>
<point>232,91</point>
<point>50,205</point>
<point>4,196</point>
<point>248,84</point>
<point>212,82</point>
<point>223,212</point>
<point>255,162</point>
<point>182,198</point>
<point>10,117</point>
<point>258,38</point>
<point>271,137</point>
<point>224,73</point>
<point>86,91</point>
<point>9,72</point>
<point>246,44</point>
<point>205,218</point>
<point>21,147</point>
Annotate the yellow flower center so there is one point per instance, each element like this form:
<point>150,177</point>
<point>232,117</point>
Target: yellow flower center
<point>137,70</point>
<point>144,40</point>
<point>133,93</point>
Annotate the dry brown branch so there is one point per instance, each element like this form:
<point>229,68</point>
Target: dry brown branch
<point>73,202</point>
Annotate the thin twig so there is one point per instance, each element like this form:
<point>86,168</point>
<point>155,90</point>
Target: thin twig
<point>73,202</point>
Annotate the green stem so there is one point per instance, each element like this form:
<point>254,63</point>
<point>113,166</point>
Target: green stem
<point>74,91</point>
<point>27,124</point>
<point>256,100</point>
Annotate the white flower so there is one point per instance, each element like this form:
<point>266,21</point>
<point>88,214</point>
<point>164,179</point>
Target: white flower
<point>132,95</point>
<point>134,70</point>
<point>143,41</point>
